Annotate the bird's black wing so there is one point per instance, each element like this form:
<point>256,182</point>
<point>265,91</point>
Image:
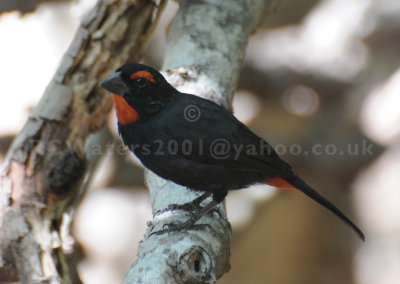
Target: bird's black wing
<point>223,138</point>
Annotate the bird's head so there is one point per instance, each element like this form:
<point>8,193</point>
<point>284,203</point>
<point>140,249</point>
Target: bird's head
<point>138,90</point>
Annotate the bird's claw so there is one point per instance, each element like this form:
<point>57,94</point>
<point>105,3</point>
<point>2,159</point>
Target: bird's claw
<point>175,227</point>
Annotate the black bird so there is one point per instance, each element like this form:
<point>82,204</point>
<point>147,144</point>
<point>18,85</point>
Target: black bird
<point>195,142</point>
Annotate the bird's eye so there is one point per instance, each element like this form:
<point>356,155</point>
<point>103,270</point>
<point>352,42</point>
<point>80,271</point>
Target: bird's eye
<point>141,82</point>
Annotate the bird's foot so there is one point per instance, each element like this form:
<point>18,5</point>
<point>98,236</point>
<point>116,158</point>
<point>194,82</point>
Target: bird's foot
<point>192,206</point>
<point>193,210</point>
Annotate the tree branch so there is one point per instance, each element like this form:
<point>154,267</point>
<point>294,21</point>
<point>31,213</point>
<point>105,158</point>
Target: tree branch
<point>46,164</point>
<point>206,46</point>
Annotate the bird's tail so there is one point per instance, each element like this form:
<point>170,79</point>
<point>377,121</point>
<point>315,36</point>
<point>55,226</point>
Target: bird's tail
<point>310,192</point>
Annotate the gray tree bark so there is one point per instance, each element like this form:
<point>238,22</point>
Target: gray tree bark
<point>46,167</point>
<point>206,45</point>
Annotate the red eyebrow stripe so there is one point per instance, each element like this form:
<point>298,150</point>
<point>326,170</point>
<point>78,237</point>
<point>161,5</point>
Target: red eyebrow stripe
<point>145,74</point>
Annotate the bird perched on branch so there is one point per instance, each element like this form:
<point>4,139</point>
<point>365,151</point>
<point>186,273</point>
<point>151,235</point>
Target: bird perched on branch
<point>196,143</point>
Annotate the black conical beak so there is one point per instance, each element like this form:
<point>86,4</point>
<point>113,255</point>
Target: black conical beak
<point>115,84</point>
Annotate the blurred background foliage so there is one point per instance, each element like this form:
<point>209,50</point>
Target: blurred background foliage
<point>320,81</point>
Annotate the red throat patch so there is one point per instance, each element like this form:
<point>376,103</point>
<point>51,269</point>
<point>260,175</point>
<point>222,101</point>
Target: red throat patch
<point>144,74</point>
<point>125,113</point>
<point>279,183</point>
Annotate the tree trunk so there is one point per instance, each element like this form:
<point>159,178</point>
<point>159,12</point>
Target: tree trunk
<point>206,45</point>
<point>46,169</point>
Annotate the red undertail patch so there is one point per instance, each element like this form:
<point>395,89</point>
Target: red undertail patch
<point>279,183</point>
